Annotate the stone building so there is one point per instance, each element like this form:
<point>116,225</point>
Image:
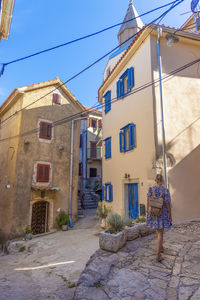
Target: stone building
<point>132,125</point>
<point>90,157</point>
<point>38,170</point>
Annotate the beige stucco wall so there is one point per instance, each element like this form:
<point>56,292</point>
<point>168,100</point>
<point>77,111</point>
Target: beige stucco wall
<point>182,125</point>
<point>35,151</point>
<point>137,109</point>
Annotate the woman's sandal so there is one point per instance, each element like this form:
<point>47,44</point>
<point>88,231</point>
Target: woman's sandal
<point>159,258</point>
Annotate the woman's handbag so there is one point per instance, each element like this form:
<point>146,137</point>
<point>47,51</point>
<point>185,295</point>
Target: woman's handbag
<point>156,204</point>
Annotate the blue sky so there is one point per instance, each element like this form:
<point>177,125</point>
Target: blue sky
<point>37,25</point>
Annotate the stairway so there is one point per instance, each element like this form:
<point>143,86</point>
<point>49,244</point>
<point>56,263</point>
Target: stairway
<point>90,199</point>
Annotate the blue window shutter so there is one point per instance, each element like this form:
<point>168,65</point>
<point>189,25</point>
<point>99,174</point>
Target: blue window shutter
<point>107,101</point>
<point>106,149</point>
<point>130,78</point>
<point>122,88</point>
<point>109,146</point>
<point>118,89</point>
<point>132,136</point>
<point>102,193</point>
<point>110,192</point>
<point>121,141</point>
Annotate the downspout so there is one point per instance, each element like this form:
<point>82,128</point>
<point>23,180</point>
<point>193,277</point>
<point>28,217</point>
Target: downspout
<point>161,107</point>
<point>71,171</point>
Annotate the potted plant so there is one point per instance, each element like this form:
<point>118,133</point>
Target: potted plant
<point>28,233</point>
<point>102,212</point>
<point>63,220</point>
<point>114,237</point>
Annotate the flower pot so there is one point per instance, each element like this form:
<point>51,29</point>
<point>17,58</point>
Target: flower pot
<point>112,242</point>
<point>132,232</point>
<point>64,227</point>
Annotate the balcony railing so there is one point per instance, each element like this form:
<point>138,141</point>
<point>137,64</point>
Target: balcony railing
<point>94,153</point>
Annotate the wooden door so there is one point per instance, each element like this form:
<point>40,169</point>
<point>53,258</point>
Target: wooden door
<point>133,200</point>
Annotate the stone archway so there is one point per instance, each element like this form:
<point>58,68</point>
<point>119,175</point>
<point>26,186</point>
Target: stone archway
<point>39,220</point>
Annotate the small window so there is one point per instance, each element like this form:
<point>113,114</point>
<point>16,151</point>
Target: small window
<point>94,123</point>
<point>45,130</point>
<point>43,173</point>
<point>107,147</point>
<point>107,192</point>
<point>127,138</point>
<point>56,98</point>
<point>125,83</point>
<point>93,172</point>
<point>107,98</point>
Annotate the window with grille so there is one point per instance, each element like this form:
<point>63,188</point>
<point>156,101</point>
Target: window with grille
<point>45,130</point>
<point>43,171</point>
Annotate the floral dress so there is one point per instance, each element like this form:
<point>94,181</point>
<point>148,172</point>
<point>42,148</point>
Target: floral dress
<point>163,221</point>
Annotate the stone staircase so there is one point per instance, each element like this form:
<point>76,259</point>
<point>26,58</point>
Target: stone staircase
<point>90,199</point>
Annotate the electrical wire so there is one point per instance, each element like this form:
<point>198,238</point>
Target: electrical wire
<point>113,100</point>
<point>175,3</point>
<point>78,39</point>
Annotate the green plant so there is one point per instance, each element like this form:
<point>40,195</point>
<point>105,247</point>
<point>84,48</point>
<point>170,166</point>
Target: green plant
<point>71,285</point>
<point>22,249</point>
<point>128,222</point>
<point>140,220</point>
<point>102,210</point>
<point>115,223</point>
<point>62,219</point>
<point>28,229</point>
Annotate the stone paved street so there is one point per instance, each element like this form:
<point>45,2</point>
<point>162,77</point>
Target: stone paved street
<point>50,266</point>
<point>133,273</point>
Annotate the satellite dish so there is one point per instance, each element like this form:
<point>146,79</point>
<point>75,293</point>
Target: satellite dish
<point>194,4</point>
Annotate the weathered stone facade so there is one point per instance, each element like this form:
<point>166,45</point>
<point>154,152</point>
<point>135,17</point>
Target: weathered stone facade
<point>20,155</point>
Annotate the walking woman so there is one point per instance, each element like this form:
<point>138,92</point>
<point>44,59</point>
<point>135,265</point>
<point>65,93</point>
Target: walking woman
<point>165,219</point>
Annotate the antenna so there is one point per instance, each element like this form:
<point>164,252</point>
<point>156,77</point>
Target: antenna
<point>185,13</point>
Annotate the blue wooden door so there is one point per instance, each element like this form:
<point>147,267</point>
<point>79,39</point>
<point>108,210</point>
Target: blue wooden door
<point>133,200</point>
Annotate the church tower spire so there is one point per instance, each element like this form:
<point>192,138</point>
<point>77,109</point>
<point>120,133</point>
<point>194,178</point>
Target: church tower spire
<point>128,29</point>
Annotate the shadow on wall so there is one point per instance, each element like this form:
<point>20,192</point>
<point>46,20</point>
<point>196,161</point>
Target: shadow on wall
<point>184,179</point>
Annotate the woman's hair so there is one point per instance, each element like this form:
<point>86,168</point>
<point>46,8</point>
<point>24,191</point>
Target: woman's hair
<point>159,179</point>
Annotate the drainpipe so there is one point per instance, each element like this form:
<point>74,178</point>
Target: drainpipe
<point>71,167</point>
<point>161,106</point>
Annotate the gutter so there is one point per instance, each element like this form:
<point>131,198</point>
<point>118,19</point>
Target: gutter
<point>71,169</point>
<point>6,18</point>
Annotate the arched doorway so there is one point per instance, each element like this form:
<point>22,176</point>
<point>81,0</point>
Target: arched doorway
<point>40,212</point>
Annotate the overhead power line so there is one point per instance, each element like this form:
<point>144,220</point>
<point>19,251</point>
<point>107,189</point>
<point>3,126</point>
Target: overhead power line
<point>113,100</point>
<point>174,4</point>
<point>5,64</point>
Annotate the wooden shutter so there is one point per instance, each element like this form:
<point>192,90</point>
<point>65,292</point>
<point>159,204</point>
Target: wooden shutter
<point>45,130</point>
<point>118,89</point>
<point>43,173</point>
<point>99,123</point>
<point>56,98</point>
<point>109,147</point>
<point>130,78</point>
<point>131,136</point>
<point>107,101</point>
<point>121,141</point>
<point>46,173</point>
<point>110,193</point>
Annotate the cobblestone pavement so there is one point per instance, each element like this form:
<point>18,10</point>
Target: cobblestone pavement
<point>51,266</point>
<point>133,273</point>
